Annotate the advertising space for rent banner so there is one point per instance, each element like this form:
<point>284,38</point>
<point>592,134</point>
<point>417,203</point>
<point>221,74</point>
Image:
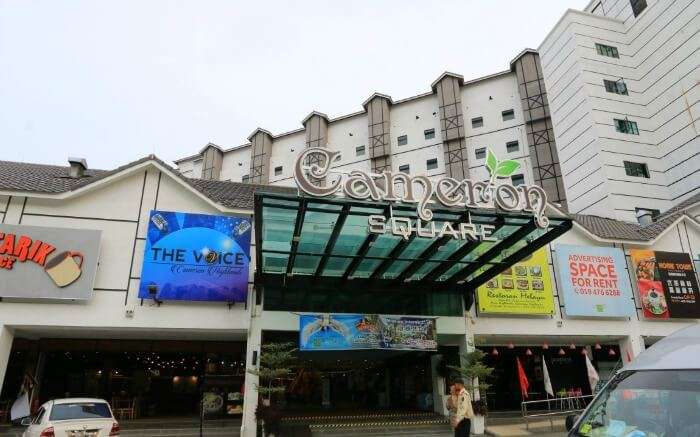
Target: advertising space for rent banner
<point>319,332</point>
<point>196,257</point>
<point>667,284</point>
<point>594,281</point>
<point>525,288</point>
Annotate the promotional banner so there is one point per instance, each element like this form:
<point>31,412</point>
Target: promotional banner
<point>47,263</point>
<point>524,288</point>
<point>594,281</point>
<point>196,257</point>
<point>323,332</point>
<point>667,284</point>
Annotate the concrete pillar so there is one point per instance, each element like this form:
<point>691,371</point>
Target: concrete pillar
<point>6,337</point>
<point>250,396</point>
<point>316,128</point>
<point>630,347</point>
<point>379,126</point>
<point>449,92</point>
<point>260,152</point>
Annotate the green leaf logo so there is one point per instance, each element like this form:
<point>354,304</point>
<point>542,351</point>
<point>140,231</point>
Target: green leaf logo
<point>500,169</point>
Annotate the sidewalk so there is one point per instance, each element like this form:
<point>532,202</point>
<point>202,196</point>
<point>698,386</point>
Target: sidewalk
<point>540,428</point>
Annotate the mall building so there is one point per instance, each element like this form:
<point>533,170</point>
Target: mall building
<point>383,244</point>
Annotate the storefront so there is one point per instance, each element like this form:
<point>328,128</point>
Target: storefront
<point>160,290</point>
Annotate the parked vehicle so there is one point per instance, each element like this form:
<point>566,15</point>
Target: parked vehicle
<point>73,417</point>
<point>657,395</point>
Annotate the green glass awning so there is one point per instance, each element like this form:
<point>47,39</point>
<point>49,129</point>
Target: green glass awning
<point>307,241</point>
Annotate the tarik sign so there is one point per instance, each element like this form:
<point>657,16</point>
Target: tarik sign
<point>196,257</point>
<point>313,176</point>
<point>47,263</point>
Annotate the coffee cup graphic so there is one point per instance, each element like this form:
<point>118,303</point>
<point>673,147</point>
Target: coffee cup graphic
<point>63,268</point>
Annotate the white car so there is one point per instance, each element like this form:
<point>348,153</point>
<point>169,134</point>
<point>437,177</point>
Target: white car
<point>73,417</point>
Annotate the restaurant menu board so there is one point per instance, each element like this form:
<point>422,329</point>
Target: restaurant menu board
<point>594,281</point>
<point>524,288</point>
<point>324,332</point>
<point>668,287</point>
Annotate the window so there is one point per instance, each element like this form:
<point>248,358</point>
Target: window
<point>636,169</point>
<point>404,168</point>
<point>429,134</point>
<point>431,164</point>
<point>638,6</point>
<point>480,153</point>
<point>604,50</point>
<point>626,126</point>
<point>478,122</point>
<point>654,212</point>
<point>402,140</point>
<point>508,115</point>
<point>615,86</point>
<point>245,178</point>
<point>278,170</point>
<point>360,151</point>
<point>517,179</point>
<point>38,416</point>
<point>80,410</point>
<point>512,146</point>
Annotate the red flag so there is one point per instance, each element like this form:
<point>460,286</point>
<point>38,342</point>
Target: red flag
<point>522,378</point>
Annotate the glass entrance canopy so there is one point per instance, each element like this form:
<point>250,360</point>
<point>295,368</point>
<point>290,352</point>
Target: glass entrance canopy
<point>309,240</point>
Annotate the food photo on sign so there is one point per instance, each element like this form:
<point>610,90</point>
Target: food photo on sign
<point>668,286</point>
<point>594,281</point>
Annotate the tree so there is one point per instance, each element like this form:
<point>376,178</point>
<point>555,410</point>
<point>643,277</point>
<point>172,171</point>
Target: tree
<point>475,373</point>
<point>274,371</point>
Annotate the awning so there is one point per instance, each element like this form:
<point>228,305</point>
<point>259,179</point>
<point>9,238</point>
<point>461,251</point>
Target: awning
<point>311,241</point>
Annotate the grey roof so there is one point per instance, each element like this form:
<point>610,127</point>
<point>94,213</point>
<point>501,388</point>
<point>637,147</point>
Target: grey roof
<point>619,230</point>
<point>54,179</point>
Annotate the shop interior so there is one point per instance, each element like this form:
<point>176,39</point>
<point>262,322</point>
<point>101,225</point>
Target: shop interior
<point>566,364</point>
<point>139,378</point>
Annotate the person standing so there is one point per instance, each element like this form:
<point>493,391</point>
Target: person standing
<point>461,421</point>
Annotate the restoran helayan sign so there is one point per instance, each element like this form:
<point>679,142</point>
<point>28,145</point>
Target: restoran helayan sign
<point>313,176</point>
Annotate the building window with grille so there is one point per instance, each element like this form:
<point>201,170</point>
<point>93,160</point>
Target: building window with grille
<point>638,6</point>
<point>512,146</point>
<point>360,151</point>
<point>626,126</point>
<point>278,170</point>
<point>478,122</point>
<point>402,140</point>
<point>615,86</point>
<point>405,168</point>
<point>508,115</point>
<point>517,179</point>
<point>431,164</point>
<point>636,169</point>
<point>480,153</point>
<point>429,134</point>
<point>245,178</point>
<point>609,51</point>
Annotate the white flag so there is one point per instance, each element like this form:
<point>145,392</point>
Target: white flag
<point>592,374</point>
<point>547,382</point>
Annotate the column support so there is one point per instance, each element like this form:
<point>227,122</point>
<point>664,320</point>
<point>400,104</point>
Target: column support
<point>250,396</point>
<point>6,338</point>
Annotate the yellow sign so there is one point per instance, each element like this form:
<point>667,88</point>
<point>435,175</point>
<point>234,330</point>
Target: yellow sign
<point>525,288</point>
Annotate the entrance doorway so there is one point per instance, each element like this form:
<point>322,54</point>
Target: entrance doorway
<point>139,378</point>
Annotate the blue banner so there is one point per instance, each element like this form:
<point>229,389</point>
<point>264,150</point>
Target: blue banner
<point>594,281</point>
<point>324,332</point>
<point>196,257</point>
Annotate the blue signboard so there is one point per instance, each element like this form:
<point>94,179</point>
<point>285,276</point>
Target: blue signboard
<point>323,332</point>
<point>594,281</point>
<point>196,257</point>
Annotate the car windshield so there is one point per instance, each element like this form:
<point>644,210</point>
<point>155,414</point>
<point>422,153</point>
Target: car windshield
<point>652,403</point>
<point>80,410</point>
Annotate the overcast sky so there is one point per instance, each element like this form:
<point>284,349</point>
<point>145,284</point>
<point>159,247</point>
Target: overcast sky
<point>114,81</point>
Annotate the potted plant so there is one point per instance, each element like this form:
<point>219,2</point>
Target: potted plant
<point>475,372</point>
<point>273,374</point>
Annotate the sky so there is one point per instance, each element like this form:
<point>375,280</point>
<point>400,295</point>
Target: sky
<point>113,81</point>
